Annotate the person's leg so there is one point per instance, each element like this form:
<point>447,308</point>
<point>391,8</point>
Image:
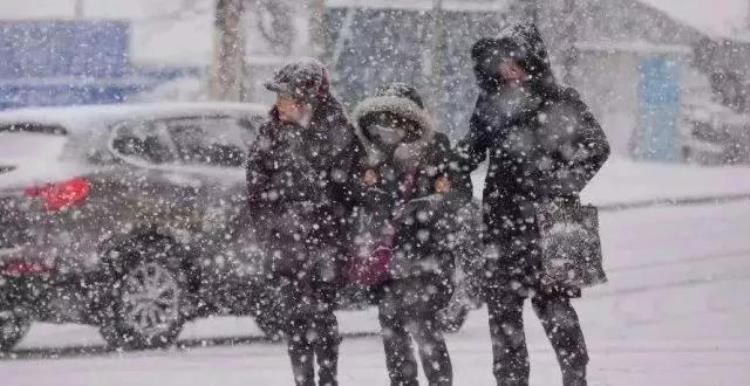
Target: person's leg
<point>433,351</point>
<point>296,327</point>
<point>327,338</point>
<point>563,328</point>
<point>399,355</point>
<point>510,355</point>
<point>301,352</point>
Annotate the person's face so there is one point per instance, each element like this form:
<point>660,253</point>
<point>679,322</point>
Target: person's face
<point>291,110</point>
<point>388,130</point>
<point>512,73</point>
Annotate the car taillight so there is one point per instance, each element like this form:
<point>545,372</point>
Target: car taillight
<point>61,195</point>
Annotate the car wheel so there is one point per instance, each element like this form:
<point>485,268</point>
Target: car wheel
<point>14,324</point>
<point>147,309</point>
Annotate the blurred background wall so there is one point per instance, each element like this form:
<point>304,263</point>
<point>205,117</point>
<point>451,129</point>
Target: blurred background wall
<point>667,78</point>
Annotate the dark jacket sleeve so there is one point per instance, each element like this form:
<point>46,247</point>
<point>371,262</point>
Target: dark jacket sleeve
<point>574,145</point>
<point>472,150</point>
<point>447,163</point>
<point>349,182</point>
<point>258,174</point>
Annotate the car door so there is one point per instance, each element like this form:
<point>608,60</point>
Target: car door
<point>152,191</point>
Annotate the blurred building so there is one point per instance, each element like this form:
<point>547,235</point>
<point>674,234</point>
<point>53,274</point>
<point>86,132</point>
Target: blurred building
<point>646,66</point>
<point>650,69</point>
<point>72,52</point>
<point>65,62</point>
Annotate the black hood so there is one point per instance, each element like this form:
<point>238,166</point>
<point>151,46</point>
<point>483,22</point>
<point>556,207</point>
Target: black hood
<point>523,43</point>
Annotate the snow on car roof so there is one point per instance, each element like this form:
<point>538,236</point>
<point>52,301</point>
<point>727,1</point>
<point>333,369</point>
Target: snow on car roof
<point>83,118</point>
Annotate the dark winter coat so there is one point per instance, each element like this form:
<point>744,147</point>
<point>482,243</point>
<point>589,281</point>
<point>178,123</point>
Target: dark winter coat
<point>421,217</point>
<point>543,145</point>
<point>300,193</point>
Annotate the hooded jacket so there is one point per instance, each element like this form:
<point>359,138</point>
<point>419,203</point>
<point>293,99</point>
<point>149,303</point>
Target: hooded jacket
<point>543,145</point>
<point>421,216</point>
<point>300,191</point>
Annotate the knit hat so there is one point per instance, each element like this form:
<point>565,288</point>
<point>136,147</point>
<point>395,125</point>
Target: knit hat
<point>305,80</point>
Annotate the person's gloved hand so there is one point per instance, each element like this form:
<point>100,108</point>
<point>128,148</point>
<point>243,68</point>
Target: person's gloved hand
<point>442,185</point>
<point>371,177</point>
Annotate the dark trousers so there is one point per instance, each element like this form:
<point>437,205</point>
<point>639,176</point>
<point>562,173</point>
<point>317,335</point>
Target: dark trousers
<point>560,321</point>
<point>403,315</point>
<point>312,333</point>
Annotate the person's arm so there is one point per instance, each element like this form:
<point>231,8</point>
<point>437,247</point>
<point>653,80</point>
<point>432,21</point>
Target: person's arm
<point>450,179</point>
<point>471,151</point>
<point>258,173</point>
<point>574,157</point>
<point>348,174</point>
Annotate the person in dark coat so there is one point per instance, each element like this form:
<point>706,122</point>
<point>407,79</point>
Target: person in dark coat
<point>408,177</point>
<point>544,145</point>
<point>298,178</point>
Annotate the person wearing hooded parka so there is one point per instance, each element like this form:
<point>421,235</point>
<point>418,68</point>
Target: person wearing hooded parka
<point>544,145</point>
<point>300,199</point>
<point>410,185</point>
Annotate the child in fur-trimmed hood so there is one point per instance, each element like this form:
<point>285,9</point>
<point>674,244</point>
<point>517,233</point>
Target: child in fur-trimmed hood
<point>411,185</point>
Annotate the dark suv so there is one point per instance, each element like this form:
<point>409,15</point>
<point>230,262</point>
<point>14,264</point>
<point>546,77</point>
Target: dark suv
<point>131,218</point>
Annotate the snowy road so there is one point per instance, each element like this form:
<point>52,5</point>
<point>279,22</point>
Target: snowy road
<point>676,312</point>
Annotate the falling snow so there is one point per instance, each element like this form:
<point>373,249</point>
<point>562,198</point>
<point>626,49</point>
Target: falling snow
<point>330,192</point>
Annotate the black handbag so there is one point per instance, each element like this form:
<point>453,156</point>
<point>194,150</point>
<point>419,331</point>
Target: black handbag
<point>570,244</point>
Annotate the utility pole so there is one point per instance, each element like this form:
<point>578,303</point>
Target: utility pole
<point>438,56</point>
<point>228,68</point>
<point>528,11</point>
<point>79,9</point>
<point>570,39</point>
<point>318,31</point>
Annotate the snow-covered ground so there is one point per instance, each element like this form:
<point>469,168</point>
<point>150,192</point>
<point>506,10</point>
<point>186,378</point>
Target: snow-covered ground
<point>676,312</point>
<point>623,181</point>
<point>630,183</point>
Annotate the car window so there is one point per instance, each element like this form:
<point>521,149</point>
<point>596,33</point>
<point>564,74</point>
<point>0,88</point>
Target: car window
<point>22,140</point>
<point>144,140</point>
<point>211,141</point>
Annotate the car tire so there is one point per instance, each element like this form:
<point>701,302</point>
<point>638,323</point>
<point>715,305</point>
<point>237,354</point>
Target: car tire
<point>14,325</point>
<point>148,300</point>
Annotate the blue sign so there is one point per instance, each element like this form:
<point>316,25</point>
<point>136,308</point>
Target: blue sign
<point>42,49</point>
<point>61,63</point>
<point>658,137</point>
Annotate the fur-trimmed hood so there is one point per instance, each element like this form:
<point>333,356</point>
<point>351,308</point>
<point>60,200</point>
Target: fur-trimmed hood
<point>405,153</point>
